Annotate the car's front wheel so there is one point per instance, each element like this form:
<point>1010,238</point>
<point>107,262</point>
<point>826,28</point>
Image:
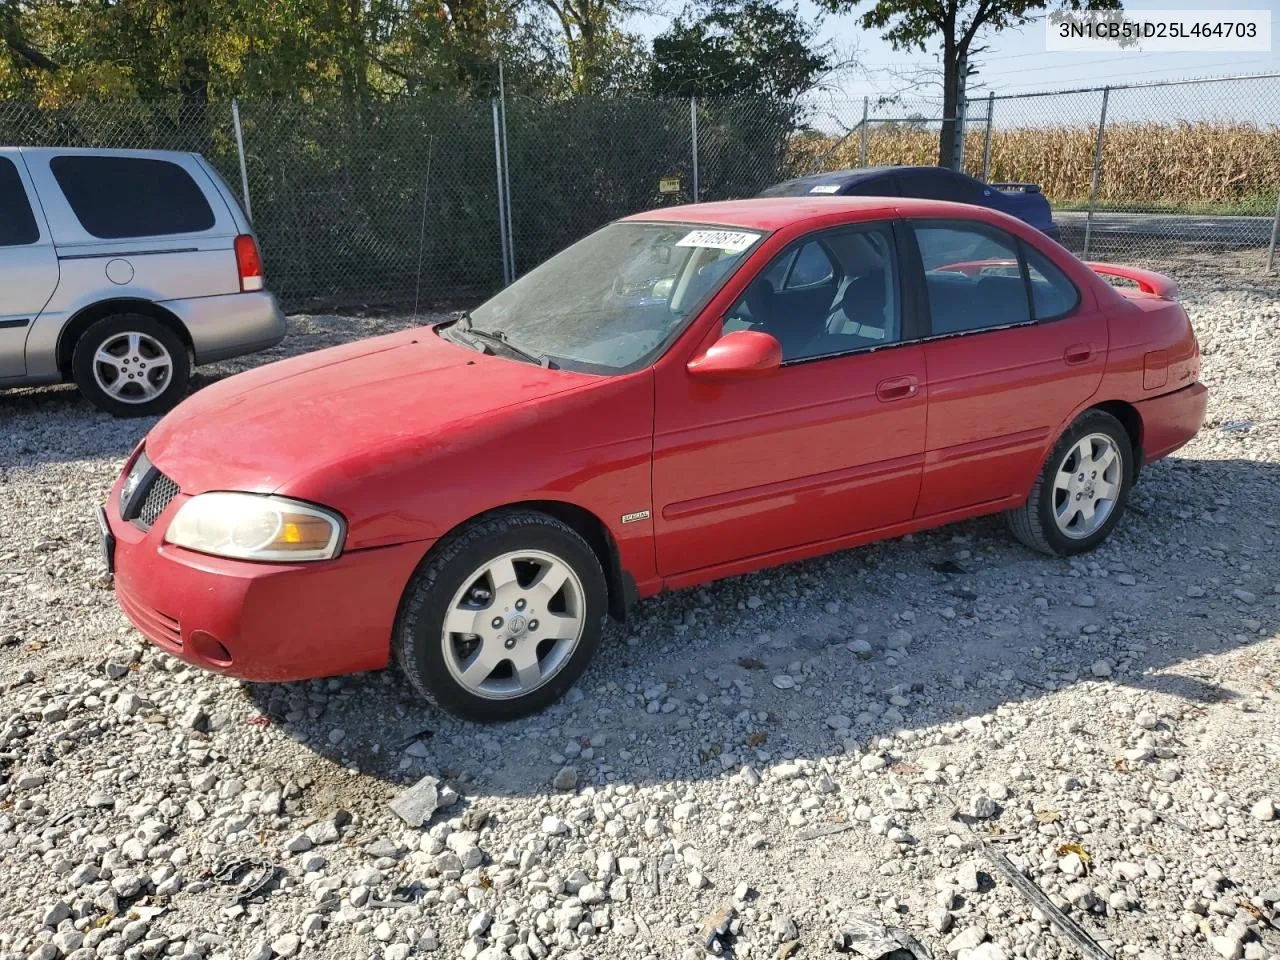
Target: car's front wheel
<point>503,617</point>
<point>1082,489</point>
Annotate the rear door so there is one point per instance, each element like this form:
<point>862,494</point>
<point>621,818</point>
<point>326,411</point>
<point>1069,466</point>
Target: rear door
<point>28,264</point>
<point>1014,348</point>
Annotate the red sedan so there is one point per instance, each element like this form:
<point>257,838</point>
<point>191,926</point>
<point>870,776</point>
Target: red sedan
<point>686,394</point>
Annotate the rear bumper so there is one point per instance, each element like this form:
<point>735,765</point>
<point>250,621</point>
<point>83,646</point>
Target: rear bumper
<point>1170,420</point>
<point>230,325</point>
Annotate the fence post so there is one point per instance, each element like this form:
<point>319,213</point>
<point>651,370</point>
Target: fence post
<point>862,150</point>
<point>1271,251</point>
<point>502,200</point>
<point>693,133</point>
<point>506,175</point>
<point>244,170</point>
<point>1097,167</point>
<point>986,137</point>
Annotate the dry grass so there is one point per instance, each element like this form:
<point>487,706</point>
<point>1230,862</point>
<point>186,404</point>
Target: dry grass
<point>1165,165</point>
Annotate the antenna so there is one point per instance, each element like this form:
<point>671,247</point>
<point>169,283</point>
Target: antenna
<point>422,232</point>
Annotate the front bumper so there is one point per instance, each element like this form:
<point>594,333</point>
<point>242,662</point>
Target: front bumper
<point>1170,420</point>
<point>230,325</point>
<point>259,621</point>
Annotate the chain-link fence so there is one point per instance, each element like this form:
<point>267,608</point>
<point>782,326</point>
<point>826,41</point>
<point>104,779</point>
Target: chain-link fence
<point>1144,172</point>
<point>420,199</point>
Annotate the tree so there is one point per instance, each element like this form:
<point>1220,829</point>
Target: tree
<point>738,48</point>
<point>599,50</point>
<point>912,24</point>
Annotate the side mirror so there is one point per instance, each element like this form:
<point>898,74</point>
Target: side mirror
<point>741,355</point>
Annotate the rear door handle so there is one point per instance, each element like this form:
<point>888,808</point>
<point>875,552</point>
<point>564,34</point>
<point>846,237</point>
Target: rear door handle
<point>1078,353</point>
<point>897,388</point>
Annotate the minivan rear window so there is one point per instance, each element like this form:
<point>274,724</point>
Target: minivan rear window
<point>17,222</point>
<point>119,197</point>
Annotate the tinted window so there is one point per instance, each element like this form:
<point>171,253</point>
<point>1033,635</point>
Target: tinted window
<point>17,223</point>
<point>973,277</point>
<point>929,184</point>
<point>1052,294</point>
<point>117,197</point>
<point>877,185</point>
<point>848,302</point>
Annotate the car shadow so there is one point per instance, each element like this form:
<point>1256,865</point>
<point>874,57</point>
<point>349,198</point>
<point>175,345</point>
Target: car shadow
<point>761,668</point>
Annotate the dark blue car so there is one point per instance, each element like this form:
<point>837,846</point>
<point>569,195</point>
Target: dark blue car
<point>1021,200</point>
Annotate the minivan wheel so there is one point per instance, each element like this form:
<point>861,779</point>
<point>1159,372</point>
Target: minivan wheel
<point>131,365</point>
<point>502,618</point>
<point>1082,489</point>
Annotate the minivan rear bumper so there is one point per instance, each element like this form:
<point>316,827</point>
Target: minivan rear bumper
<point>230,325</point>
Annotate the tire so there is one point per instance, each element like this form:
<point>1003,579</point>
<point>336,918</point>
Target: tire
<point>131,365</point>
<point>453,580</point>
<point>1036,523</point>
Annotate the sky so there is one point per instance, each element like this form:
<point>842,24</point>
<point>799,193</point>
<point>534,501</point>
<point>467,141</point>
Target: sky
<point>1016,61</point>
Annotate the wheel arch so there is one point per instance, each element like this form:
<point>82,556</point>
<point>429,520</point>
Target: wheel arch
<point>1131,420</point>
<point>621,584</point>
<point>86,317</point>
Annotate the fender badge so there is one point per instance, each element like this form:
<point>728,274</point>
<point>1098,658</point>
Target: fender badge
<point>635,517</point>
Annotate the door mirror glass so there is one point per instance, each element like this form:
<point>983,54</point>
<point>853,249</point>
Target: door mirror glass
<point>741,355</point>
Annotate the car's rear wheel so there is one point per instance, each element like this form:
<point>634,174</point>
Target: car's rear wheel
<point>131,365</point>
<point>1081,492</point>
<point>503,617</point>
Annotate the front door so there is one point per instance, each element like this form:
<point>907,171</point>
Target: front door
<point>1014,350</point>
<point>28,264</point>
<point>830,444</point>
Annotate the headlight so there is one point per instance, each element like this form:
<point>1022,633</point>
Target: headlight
<point>141,466</point>
<point>247,526</point>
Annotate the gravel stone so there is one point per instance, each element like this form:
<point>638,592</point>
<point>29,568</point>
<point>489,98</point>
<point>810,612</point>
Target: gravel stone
<point>134,780</point>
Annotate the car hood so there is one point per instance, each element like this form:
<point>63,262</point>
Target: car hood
<point>261,430</point>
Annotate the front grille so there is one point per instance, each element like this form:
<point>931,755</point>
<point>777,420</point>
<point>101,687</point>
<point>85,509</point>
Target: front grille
<point>161,492</point>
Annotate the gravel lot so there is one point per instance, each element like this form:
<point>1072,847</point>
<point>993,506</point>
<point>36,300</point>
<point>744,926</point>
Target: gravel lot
<point>1112,724</point>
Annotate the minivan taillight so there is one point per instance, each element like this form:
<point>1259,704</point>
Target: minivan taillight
<point>248,262</point>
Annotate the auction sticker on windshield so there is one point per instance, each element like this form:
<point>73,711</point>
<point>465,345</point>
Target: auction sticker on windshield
<point>732,241</point>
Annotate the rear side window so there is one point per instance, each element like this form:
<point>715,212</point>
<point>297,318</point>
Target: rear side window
<point>17,222</point>
<point>1052,293</point>
<point>929,183</point>
<point>973,277</point>
<point>120,197</point>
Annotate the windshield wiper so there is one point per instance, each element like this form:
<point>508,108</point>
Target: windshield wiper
<point>466,327</point>
<point>500,338</point>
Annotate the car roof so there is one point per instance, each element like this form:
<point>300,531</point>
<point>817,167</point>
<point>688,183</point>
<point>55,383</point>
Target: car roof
<point>772,213</point>
<point>842,178</point>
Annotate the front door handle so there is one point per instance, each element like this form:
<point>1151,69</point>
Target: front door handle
<point>897,388</point>
<point>1078,353</point>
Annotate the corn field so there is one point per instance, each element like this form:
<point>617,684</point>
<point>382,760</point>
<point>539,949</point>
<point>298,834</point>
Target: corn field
<point>1176,165</point>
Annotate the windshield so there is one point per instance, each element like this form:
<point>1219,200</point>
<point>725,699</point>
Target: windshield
<point>611,301</point>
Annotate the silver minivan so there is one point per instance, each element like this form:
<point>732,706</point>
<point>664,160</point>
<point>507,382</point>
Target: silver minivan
<point>120,270</point>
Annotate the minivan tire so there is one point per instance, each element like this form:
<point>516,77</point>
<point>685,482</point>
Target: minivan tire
<point>133,342</point>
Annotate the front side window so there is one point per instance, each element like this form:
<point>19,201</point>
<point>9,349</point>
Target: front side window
<point>17,222</point>
<point>115,198</point>
<point>973,277</point>
<point>848,300</point>
<point>614,300</point>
